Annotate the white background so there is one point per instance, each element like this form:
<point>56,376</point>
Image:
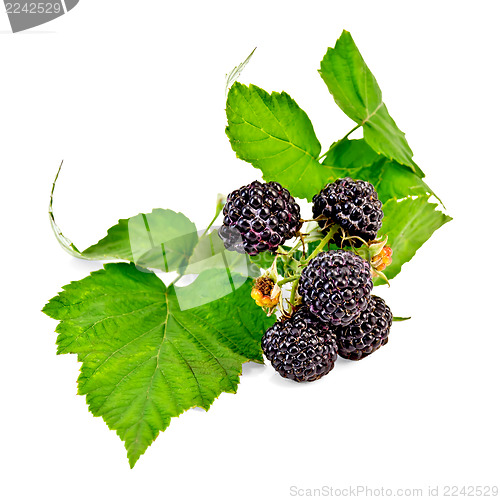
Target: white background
<point>131,95</point>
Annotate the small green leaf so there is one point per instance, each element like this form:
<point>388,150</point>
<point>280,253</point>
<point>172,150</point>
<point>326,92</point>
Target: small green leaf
<point>272,133</point>
<point>162,239</point>
<point>355,159</point>
<point>145,358</point>
<point>357,93</point>
<point>408,223</point>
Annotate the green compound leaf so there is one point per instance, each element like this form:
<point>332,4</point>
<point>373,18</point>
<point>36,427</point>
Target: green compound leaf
<point>146,359</point>
<point>355,159</point>
<point>409,223</point>
<point>272,133</point>
<point>357,93</point>
<point>162,239</point>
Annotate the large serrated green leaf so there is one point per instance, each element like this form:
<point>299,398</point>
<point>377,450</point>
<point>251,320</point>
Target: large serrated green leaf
<point>355,159</point>
<point>162,239</point>
<point>357,93</point>
<point>272,133</point>
<point>146,359</point>
<point>408,223</point>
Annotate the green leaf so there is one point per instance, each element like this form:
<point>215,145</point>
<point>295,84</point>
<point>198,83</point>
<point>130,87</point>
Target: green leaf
<point>272,133</point>
<point>162,239</point>
<point>357,93</point>
<point>400,318</point>
<point>409,223</point>
<point>145,358</point>
<point>350,155</point>
<point>355,159</point>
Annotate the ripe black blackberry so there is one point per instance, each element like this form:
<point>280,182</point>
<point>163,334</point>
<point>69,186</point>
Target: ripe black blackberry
<point>335,286</point>
<point>300,348</point>
<point>367,333</point>
<point>353,205</point>
<point>259,217</point>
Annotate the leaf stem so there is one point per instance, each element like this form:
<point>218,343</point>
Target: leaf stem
<point>210,225</point>
<point>341,140</point>
<point>218,210</point>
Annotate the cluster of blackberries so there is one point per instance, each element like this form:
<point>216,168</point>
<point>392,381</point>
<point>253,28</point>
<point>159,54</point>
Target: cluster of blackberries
<point>262,216</point>
<point>338,315</point>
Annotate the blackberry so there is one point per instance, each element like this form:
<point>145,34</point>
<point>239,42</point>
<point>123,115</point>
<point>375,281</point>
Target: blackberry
<point>300,348</point>
<point>353,205</point>
<point>367,333</point>
<point>259,217</point>
<point>335,286</point>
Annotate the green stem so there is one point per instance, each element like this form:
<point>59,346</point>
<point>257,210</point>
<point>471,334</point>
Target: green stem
<point>323,243</point>
<point>295,278</point>
<point>288,280</point>
<point>221,201</point>
<point>294,248</point>
<point>338,142</point>
<point>211,223</point>
<point>175,280</point>
<point>293,292</point>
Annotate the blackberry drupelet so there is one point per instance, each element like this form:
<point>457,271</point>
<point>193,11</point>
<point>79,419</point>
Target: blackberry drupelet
<point>367,333</point>
<point>259,217</point>
<point>335,286</point>
<point>300,348</point>
<point>353,205</point>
